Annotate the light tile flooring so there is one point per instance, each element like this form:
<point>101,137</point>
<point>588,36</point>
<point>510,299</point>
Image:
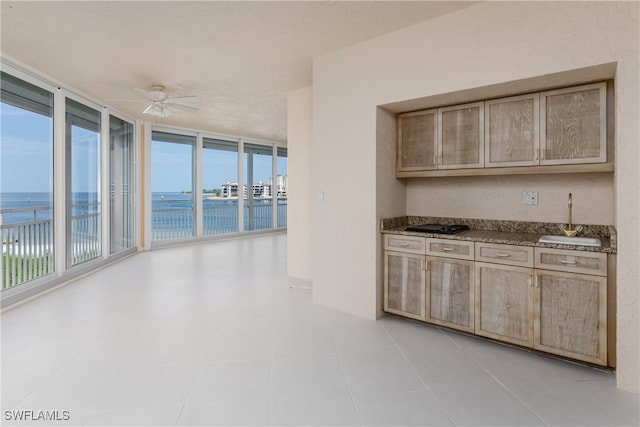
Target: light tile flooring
<point>212,334</point>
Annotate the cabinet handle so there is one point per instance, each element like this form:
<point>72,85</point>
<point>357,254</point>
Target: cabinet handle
<point>448,249</point>
<point>403,244</point>
<point>566,261</point>
<point>502,255</point>
<point>536,281</point>
<point>422,266</point>
<point>530,281</point>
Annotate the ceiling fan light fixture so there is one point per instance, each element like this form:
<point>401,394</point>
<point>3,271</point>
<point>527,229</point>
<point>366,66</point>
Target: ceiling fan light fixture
<point>156,111</point>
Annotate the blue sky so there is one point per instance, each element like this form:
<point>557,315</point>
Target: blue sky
<point>26,161</point>
<point>26,164</point>
<point>172,171</point>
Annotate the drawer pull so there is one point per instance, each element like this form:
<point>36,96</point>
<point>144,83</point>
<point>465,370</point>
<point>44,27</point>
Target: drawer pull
<point>448,249</point>
<point>502,255</point>
<point>403,244</point>
<point>567,261</point>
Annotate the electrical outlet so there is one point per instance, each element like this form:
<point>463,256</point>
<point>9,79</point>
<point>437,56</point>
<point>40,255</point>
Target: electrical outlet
<point>530,198</point>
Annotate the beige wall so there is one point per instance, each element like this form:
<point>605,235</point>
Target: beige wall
<point>482,46</point>
<point>299,171</point>
<point>500,197</point>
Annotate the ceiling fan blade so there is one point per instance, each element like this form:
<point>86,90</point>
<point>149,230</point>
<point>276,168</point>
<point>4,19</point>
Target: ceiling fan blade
<point>174,99</point>
<point>182,107</point>
<point>145,93</point>
<point>126,100</point>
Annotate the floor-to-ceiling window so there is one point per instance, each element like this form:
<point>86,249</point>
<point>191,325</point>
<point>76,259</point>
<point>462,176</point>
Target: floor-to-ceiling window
<point>83,210</point>
<point>26,181</point>
<point>121,183</point>
<point>258,168</point>
<point>172,176</point>
<point>220,186</point>
<point>281,187</point>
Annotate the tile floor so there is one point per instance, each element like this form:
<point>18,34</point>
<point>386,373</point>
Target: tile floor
<point>212,334</point>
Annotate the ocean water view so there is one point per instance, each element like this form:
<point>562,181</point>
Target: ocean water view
<point>171,210</point>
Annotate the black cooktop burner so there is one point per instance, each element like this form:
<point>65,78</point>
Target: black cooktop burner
<point>438,228</point>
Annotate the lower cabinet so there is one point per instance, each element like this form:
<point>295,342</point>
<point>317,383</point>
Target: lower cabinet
<point>404,284</point>
<point>552,300</point>
<point>571,315</point>
<point>450,293</point>
<point>504,303</point>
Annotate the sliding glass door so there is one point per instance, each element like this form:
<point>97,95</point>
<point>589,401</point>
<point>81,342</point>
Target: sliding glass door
<point>281,187</point>
<point>121,183</point>
<point>220,186</point>
<point>258,200</point>
<point>83,210</point>
<point>172,185</point>
<point>26,181</point>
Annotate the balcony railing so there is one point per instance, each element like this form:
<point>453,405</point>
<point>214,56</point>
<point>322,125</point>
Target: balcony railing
<point>85,232</point>
<point>27,244</point>
<point>173,219</point>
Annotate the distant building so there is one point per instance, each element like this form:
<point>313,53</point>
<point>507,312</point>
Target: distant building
<point>230,189</point>
<point>281,185</point>
<point>261,190</point>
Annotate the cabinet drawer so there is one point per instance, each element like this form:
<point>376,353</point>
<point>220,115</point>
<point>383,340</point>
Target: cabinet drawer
<point>504,254</point>
<point>450,248</point>
<point>572,261</point>
<point>410,244</point>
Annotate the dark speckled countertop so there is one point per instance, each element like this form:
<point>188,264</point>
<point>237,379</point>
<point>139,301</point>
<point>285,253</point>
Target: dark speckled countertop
<point>503,232</point>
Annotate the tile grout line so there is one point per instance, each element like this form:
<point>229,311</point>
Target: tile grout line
<point>540,417</point>
<point>404,356</point>
<point>271,366</point>
<point>353,401</point>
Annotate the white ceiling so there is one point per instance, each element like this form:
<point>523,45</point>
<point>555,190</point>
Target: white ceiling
<point>240,58</point>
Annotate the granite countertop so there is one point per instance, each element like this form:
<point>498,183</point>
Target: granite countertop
<point>503,232</point>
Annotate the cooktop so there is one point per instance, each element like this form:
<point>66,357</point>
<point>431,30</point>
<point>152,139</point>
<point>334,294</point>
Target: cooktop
<point>438,228</point>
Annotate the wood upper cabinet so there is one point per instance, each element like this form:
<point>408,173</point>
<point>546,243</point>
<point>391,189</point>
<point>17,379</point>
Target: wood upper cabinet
<point>416,149</point>
<point>504,303</point>
<point>561,130</point>
<point>511,131</point>
<point>571,315</point>
<point>461,136</point>
<point>404,284</point>
<point>573,125</point>
<point>450,293</point>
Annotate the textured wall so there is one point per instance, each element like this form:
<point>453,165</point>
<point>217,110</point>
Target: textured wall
<point>299,201</point>
<point>484,45</point>
<point>500,197</point>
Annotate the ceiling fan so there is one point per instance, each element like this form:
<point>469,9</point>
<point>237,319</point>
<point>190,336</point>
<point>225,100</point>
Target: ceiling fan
<point>161,103</point>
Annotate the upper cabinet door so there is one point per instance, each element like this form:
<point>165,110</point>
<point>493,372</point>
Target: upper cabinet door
<point>416,141</point>
<point>573,125</point>
<point>511,131</point>
<point>461,136</point>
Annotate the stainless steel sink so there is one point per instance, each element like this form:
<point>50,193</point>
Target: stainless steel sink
<point>578,241</point>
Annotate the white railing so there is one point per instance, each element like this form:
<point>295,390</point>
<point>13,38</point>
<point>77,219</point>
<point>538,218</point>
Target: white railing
<point>85,232</point>
<point>282,213</point>
<point>171,219</point>
<point>258,217</point>
<point>27,246</point>
<point>220,219</point>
